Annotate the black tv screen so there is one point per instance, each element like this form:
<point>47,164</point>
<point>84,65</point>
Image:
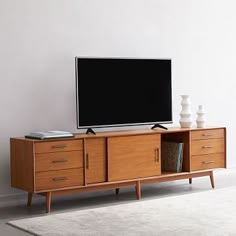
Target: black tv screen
<point>122,91</point>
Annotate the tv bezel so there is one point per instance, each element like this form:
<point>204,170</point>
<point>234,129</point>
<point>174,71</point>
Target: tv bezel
<point>122,124</point>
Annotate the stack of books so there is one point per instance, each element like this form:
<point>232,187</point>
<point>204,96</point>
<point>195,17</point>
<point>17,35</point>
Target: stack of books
<point>172,156</point>
<point>49,134</point>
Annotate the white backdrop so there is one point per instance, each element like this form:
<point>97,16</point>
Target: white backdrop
<point>39,40</point>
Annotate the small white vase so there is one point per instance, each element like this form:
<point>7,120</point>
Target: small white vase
<point>185,114</point>
<point>201,120</point>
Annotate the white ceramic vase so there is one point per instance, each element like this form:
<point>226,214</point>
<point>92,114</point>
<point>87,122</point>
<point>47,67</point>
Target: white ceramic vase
<point>201,120</point>
<point>185,114</point>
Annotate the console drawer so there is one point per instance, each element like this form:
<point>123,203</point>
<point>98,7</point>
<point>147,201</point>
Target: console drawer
<point>208,146</point>
<point>207,134</point>
<point>58,146</point>
<point>59,179</point>
<point>58,160</point>
<point>210,161</point>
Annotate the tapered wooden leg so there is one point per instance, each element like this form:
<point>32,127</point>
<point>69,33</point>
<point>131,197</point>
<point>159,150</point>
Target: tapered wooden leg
<point>48,201</point>
<point>190,180</point>
<point>117,191</point>
<point>29,201</point>
<point>212,179</point>
<point>138,190</point>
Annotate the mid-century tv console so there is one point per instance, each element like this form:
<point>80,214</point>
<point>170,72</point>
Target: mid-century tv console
<point>106,160</point>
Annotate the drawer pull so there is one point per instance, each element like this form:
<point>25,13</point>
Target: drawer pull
<point>58,161</point>
<point>207,162</point>
<point>157,154</point>
<point>59,146</point>
<point>207,146</point>
<point>59,178</point>
<point>207,135</point>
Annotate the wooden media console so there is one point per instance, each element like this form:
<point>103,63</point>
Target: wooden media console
<point>89,162</point>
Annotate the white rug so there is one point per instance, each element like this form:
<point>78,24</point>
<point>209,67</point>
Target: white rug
<point>210,213</point>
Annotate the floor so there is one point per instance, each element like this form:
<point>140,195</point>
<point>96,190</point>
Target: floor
<point>223,178</point>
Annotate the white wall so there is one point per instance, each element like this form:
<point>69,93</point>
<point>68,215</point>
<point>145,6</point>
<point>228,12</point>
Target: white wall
<point>39,40</point>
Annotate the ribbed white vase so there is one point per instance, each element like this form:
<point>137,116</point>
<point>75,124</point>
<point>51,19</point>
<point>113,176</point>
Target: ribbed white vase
<point>201,120</point>
<point>185,114</point>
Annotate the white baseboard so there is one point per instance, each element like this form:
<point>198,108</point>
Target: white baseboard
<point>16,199</point>
<point>12,199</point>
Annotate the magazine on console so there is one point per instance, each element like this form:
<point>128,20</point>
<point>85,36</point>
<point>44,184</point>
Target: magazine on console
<point>50,134</point>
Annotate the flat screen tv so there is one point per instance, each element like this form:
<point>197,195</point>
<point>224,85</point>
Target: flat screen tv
<point>112,92</point>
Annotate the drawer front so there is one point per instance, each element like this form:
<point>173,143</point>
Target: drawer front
<point>210,161</point>
<point>207,134</point>
<point>58,146</point>
<point>209,146</point>
<point>59,179</point>
<point>58,160</point>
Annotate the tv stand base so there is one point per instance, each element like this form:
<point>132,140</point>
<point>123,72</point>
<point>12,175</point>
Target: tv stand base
<point>159,126</point>
<point>90,130</point>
